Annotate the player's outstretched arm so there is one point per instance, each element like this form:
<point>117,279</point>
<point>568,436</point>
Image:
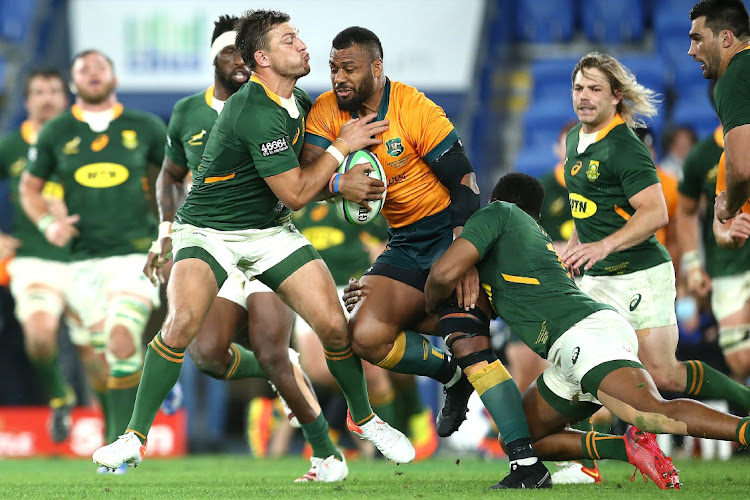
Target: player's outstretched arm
<point>446,272</point>
<point>58,231</point>
<point>698,281</point>
<point>297,187</point>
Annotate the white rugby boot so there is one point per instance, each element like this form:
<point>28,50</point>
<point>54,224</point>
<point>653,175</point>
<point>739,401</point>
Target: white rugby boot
<point>391,442</point>
<point>126,450</point>
<point>325,470</point>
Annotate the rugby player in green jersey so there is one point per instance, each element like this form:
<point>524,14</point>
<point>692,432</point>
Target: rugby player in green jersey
<point>100,152</point>
<point>237,216</point>
<point>239,300</point>
<point>40,274</point>
<point>618,204</point>
<point>719,40</point>
<point>593,350</point>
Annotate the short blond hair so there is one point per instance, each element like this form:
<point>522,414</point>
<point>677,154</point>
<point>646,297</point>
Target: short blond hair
<point>637,101</point>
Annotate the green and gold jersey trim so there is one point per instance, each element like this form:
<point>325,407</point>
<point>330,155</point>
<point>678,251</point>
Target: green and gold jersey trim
<point>270,93</point>
<point>78,111</point>
<point>209,96</point>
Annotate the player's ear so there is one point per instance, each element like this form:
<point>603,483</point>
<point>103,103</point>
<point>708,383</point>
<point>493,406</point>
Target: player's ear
<point>260,59</point>
<point>377,67</point>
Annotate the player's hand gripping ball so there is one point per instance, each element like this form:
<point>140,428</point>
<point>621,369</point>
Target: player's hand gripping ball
<point>353,212</point>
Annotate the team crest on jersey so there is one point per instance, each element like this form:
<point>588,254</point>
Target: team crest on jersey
<point>129,139</point>
<point>593,172</point>
<point>394,147</point>
<point>197,139</point>
<point>272,147</point>
<point>71,147</point>
<point>712,174</point>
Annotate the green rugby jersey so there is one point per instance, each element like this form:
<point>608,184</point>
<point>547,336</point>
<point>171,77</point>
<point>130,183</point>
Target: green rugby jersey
<point>341,245</point>
<point>600,182</point>
<point>189,128</point>
<point>14,149</point>
<point>699,178</point>
<point>732,92</point>
<point>527,283</point>
<point>104,175</point>
<point>556,218</point>
<point>254,137</point>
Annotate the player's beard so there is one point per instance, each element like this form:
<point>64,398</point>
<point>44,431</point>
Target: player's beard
<point>290,70</point>
<point>359,94</point>
<point>712,63</point>
<point>228,82</point>
<point>97,97</point>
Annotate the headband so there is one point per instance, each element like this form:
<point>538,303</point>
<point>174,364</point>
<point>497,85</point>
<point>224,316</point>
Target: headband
<point>224,40</point>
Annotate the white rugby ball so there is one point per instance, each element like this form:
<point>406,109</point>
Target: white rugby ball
<point>350,211</point>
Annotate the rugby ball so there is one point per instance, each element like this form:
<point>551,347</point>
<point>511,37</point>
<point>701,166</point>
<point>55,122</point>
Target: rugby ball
<point>350,211</point>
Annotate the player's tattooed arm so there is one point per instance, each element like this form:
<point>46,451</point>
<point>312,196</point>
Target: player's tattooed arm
<point>171,189</point>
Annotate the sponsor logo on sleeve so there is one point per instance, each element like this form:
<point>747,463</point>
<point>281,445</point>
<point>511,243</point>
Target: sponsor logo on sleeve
<point>272,147</point>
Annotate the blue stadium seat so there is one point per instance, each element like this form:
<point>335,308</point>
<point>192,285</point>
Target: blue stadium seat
<point>648,69</point>
<point>671,28</point>
<point>699,115</point>
<point>3,73</point>
<point>16,17</point>
<point>535,162</point>
<point>606,21</point>
<point>551,78</point>
<point>543,121</point>
<point>689,83</point>
<point>546,21</point>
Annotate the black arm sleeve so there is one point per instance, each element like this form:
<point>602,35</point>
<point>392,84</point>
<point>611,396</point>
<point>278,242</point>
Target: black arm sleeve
<point>450,169</point>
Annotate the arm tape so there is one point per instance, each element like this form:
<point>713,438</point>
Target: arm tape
<point>450,169</point>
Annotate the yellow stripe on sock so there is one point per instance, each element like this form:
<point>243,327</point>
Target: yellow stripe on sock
<point>168,349</point>
<point>700,382</point>
<point>136,433</point>
<point>127,382</point>
<point>165,352</point>
<point>236,356</point>
<point>397,353</point>
<point>593,446</point>
<point>365,420</point>
<point>695,376</point>
<point>743,440</point>
<point>590,444</point>
<point>489,376</point>
<point>340,355</point>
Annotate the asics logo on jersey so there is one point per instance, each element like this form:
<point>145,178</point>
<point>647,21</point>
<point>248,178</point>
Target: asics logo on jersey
<point>635,301</point>
<point>272,147</point>
<point>576,352</point>
<point>581,207</point>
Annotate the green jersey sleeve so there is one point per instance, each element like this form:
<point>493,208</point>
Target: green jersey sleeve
<point>732,93</point>
<point>175,149</point>
<point>634,167</point>
<point>42,155</point>
<point>268,142</point>
<point>485,226</point>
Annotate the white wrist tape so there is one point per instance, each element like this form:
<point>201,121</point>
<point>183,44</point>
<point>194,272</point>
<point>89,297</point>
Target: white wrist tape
<point>165,231</point>
<point>334,151</point>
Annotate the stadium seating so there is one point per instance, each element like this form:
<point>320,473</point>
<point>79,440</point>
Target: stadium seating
<point>16,17</point>
<point>3,74</point>
<point>551,78</point>
<point>543,121</point>
<point>546,21</point>
<point>536,162</point>
<point>698,114</point>
<point>606,21</point>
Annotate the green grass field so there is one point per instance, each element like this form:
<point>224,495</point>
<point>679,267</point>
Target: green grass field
<point>237,476</point>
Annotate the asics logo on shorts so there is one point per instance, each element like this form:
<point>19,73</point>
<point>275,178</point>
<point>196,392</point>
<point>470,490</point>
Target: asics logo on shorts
<point>635,301</point>
<point>576,352</point>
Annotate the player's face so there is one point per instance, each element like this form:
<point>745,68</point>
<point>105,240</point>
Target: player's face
<point>93,77</point>
<point>593,101</point>
<point>46,99</point>
<point>704,47</point>
<point>231,70</point>
<point>288,53</point>
<point>352,76</point>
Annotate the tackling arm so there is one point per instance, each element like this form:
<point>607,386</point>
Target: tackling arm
<point>446,272</point>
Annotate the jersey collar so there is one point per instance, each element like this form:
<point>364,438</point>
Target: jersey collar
<point>617,120</point>
<point>28,132</point>
<point>270,93</point>
<point>78,111</point>
<point>209,96</point>
<point>384,102</point>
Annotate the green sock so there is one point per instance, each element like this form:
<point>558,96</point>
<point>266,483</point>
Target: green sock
<point>743,431</point>
<point>244,364</point>
<point>51,377</point>
<point>585,426</point>
<point>705,382</point>
<point>412,353</point>
<point>346,368</point>
<point>501,397</point>
<point>109,426</point>
<point>599,446</point>
<point>121,396</point>
<point>384,405</point>
<point>316,433</point>
<point>160,372</point>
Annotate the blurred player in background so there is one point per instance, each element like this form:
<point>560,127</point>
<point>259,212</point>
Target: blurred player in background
<point>100,152</point>
<point>237,216</point>
<point>40,272</point>
<point>239,300</point>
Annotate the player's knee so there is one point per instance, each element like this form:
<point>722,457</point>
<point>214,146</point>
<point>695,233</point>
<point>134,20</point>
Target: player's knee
<point>209,358</point>
<point>272,357</point>
<point>666,378</point>
<point>120,344</point>
<point>332,333</point>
